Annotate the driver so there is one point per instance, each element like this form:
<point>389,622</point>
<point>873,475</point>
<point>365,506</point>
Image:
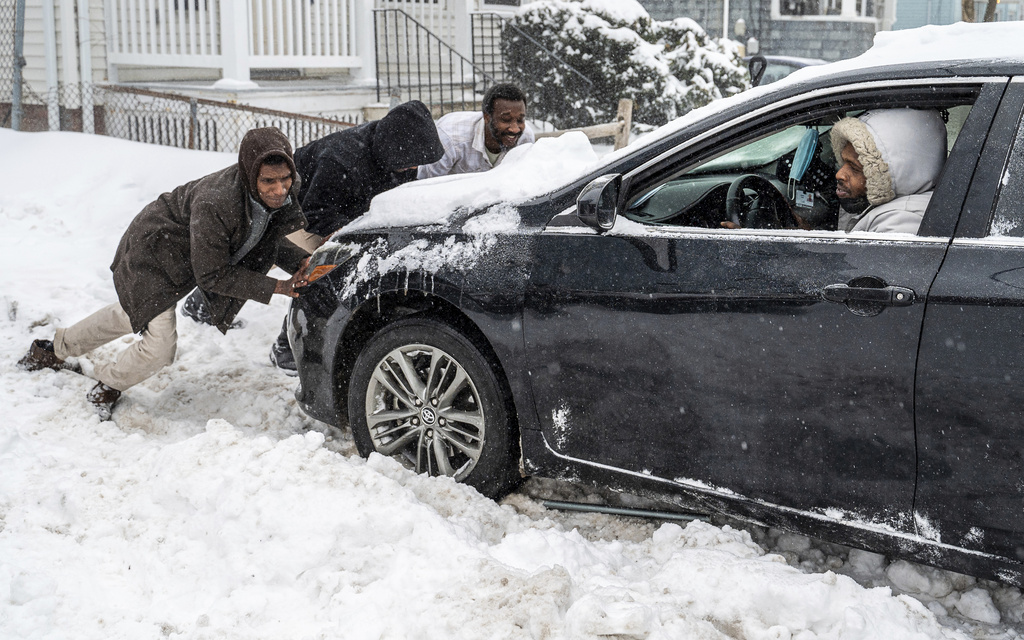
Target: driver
<point>890,160</point>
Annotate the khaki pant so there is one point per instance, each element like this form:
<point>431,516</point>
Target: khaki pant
<point>133,365</point>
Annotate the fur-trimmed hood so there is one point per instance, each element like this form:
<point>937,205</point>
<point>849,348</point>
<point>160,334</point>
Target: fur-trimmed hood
<point>902,150</point>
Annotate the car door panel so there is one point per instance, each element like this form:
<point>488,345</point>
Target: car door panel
<point>970,407</point>
<point>714,360</point>
<point>971,404</point>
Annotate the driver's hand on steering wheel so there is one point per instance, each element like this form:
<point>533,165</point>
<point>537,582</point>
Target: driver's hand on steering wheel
<point>800,223</point>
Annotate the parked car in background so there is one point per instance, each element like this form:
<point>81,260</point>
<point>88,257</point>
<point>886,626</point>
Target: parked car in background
<point>618,335</point>
<point>765,69</point>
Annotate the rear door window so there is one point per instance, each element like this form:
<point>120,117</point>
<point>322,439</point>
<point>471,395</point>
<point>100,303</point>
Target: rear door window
<point>1008,216</point>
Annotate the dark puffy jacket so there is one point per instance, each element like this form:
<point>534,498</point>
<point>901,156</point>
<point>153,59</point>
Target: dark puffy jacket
<point>343,171</point>
<point>186,237</point>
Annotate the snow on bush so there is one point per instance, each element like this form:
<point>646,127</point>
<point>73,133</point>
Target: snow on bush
<point>666,68</point>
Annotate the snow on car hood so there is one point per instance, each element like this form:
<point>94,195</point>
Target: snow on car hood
<point>527,171</point>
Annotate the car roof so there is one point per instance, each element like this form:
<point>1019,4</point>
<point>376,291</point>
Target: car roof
<point>969,43</point>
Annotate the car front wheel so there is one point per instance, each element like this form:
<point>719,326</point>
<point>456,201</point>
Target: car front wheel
<point>423,393</point>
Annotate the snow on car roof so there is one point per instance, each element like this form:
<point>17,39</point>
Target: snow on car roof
<point>934,43</point>
<point>960,41</point>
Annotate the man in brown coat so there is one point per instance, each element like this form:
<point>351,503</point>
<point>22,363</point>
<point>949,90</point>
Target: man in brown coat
<point>222,233</point>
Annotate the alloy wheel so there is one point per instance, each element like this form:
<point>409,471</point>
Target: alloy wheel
<point>424,409</point>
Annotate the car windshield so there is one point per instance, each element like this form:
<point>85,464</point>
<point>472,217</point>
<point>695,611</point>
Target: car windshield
<point>759,152</point>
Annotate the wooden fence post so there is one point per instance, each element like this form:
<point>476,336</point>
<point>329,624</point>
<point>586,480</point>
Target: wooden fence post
<point>624,118</point>
<point>618,130</point>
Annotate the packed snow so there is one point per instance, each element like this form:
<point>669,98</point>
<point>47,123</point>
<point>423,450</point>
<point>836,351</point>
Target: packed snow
<point>211,507</point>
<point>626,11</point>
<point>527,171</point>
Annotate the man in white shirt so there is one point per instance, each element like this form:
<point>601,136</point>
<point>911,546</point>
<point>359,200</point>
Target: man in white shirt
<point>478,141</point>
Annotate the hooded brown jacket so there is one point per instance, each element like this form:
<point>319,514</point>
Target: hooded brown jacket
<point>186,237</point>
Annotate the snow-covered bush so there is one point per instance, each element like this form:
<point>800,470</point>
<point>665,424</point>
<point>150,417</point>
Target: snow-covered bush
<point>666,68</point>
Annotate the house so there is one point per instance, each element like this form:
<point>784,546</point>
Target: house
<point>826,29</point>
<point>917,13</point>
<point>309,56</point>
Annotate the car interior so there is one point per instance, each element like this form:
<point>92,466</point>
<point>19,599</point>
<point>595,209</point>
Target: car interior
<point>783,179</point>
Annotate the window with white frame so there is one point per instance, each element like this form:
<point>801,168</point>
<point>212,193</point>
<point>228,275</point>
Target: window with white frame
<point>841,8</point>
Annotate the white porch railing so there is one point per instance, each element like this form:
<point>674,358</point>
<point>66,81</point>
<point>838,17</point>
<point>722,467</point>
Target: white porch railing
<point>237,35</point>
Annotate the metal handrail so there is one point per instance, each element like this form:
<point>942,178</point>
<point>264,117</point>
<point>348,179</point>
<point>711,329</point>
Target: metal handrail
<point>506,23</point>
<point>424,70</point>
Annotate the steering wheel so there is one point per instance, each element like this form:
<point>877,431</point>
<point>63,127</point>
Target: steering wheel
<point>767,208</point>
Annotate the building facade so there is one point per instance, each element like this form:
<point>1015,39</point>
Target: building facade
<point>826,29</point>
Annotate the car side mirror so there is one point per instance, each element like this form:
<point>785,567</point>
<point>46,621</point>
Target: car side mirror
<point>597,204</point>
<point>757,66</point>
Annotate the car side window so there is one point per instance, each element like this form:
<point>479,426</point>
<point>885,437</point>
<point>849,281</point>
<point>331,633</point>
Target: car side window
<point>760,183</point>
<point>1008,218</point>
<point>781,179</point>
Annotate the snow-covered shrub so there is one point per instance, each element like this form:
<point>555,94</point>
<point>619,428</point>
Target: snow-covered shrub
<point>706,68</point>
<point>666,68</point>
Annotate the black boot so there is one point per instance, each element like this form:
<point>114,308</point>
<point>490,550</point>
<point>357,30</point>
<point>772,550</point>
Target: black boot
<point>281,353</point>
<point>197,307</point>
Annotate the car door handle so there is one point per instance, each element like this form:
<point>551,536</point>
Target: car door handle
<point>893,296</point>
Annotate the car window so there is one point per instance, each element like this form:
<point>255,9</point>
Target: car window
<point>1008,218</point>
<point>776,71</point>
<point>760,152</point>
<point>787,174</point>
<point>697,196</point>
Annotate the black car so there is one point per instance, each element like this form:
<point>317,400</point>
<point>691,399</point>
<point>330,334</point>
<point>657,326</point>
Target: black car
<point>865,388</point>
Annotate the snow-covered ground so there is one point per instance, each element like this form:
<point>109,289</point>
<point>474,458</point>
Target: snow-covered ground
<point>212,507</point>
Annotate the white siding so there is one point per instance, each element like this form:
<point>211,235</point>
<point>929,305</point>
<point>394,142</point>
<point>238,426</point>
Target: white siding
<point>34,72</point>
<point>97,41</point>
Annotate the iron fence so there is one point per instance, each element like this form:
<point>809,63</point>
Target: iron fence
<point>8,9</point>
<point>495,37</point>
<point>197,123</point>
<point>168,119</point>
<point>413,63</point>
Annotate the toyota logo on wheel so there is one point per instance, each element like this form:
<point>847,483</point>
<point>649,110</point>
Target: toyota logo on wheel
<point>428,415</point>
